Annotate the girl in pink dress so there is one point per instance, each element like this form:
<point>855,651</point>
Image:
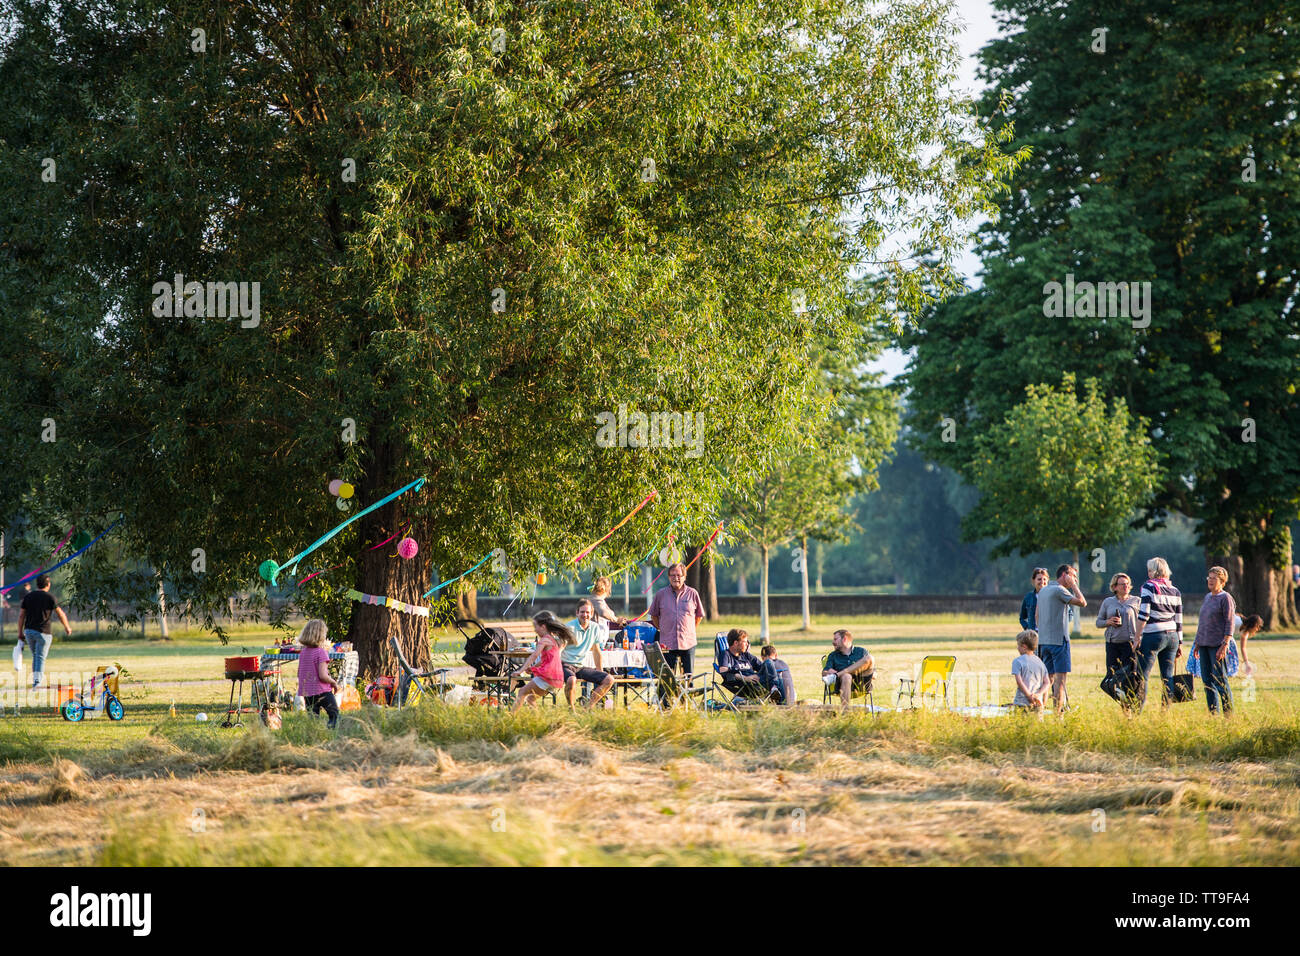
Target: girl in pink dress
<point>544,663</point>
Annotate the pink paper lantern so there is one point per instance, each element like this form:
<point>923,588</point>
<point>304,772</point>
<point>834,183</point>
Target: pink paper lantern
<point>335,485</point>
<point>407,548</point>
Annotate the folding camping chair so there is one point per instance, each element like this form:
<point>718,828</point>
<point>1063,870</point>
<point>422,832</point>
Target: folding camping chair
<point>863,686</point>
<point>722,697</point>
<point>935,676</point>
<point>413,684</point>
<point>672,690</point>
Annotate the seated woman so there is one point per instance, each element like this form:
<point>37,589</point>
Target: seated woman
<point>739,668</point>
<point>599,591</point>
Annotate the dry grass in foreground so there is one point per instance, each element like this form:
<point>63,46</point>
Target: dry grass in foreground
<point>469,786</point>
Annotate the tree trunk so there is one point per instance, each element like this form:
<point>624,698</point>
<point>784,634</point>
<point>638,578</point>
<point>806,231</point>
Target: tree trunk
<point>898,583</point>
<point>647,578</point>
<point>162,610</point>
<point>373,627</point>
<point>1264,585</point>
<point>742,586</point>
<point>709,593</point>
<point>821,566</point>
<point>803,585</point>
<point>627,593</point>
<point>467,601</point>
<point>763,632</point>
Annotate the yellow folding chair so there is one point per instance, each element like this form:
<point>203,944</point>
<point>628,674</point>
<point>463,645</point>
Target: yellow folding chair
<point>934,680</point>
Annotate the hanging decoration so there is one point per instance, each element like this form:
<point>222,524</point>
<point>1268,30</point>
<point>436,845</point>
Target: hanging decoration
<point>270,571</point>
<point>590,548</point>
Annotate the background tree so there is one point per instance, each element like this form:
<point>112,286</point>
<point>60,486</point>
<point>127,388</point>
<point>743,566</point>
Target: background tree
<point>1146,170</point>
<point>808,495</point>
<point>644,183</point>
<point>1061,472</point>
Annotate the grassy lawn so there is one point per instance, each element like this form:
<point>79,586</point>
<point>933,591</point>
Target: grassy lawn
<point>471,785</point>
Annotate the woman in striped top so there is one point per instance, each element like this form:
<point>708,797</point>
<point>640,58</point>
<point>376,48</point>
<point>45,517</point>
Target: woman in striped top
<point>1160,618</point>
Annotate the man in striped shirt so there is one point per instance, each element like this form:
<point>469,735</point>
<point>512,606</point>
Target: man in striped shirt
<point>1160,620</point>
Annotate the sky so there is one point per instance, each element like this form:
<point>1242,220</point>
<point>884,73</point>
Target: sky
<point>978,27</point>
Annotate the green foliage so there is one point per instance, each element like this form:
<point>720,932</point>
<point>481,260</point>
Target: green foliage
<point>1139,174</point>
<point>777,167</point>
<point>1061,472</point>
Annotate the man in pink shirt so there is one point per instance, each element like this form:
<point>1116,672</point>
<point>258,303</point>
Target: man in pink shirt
<point>675,611</point>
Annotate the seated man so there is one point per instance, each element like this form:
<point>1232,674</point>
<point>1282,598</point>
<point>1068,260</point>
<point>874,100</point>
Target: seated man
<point>591,635</point>
<point>775,675</point>
<point>847,665</point>
<point>738,667</point>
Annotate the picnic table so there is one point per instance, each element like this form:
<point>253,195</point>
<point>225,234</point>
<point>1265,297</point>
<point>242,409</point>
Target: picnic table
<point>275,656</point>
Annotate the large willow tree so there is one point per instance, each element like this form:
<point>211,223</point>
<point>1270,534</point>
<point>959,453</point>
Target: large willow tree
<point>475,227</point>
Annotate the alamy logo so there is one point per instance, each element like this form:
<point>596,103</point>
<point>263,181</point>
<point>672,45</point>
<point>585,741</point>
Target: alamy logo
<point>211,300</point>
<point>656,430</point>
<point>1122,300</point>
<point>75,909</point>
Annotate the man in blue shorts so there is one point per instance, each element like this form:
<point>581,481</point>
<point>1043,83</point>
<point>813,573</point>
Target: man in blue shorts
<point>1053,613</point>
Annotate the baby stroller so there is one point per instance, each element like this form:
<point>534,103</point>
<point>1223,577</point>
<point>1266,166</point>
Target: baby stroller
<point>97,697</point>
<point>487,650</point>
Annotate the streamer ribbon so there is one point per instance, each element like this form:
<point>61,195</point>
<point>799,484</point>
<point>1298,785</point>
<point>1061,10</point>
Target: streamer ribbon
<point>717,531</point>
<point>648,498</point>
<point>317,573</point>
<point>65,540</point>
<point>70,557</point>
<point>439,587</point>
<point>386,540</point>
<point>667,535</point>
<point>415,485</point>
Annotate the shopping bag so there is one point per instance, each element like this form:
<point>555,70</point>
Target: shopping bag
<point>1123,683</point>
<point>349,699</point>
<point>18,657</point>
<point>1182,688</point>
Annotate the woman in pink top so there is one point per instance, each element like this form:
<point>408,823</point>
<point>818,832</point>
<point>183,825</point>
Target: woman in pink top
<point>544,663</point>
<point>314,680</point>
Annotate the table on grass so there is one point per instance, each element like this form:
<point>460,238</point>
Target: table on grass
<point>272,660</point>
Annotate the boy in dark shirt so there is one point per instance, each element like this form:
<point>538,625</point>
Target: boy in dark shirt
<point>775,675</point>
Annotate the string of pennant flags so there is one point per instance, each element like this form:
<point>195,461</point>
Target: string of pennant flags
<point>379,600</point>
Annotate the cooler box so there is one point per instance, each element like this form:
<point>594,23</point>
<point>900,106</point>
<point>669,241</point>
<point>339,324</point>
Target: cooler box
<point>640,630</point>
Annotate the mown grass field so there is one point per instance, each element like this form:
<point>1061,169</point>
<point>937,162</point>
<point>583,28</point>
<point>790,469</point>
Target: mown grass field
<point>471,785</point>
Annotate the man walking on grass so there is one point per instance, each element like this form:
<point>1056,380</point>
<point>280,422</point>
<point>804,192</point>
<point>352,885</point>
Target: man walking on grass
<point>34,616</point>
<point>1053,612</point>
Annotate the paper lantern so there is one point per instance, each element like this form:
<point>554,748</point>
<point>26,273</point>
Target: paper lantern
<point>81,540</point>
<point>407,548</point>
<point>267,570</point>
<point>541,578</point>
<point>201,717</point>
<point>335,485</point>
<point>669,556</point>
<point>346,490</point>
<point>341,503</point>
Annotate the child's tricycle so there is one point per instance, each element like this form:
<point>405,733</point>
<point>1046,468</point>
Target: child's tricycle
<point>99,697</point>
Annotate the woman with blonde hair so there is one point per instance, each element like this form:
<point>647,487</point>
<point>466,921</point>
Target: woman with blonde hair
<point>599,591</point>
<point>1160,619</point>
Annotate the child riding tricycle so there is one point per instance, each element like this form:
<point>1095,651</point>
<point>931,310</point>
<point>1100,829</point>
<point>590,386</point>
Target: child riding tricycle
<point>97,697</point>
